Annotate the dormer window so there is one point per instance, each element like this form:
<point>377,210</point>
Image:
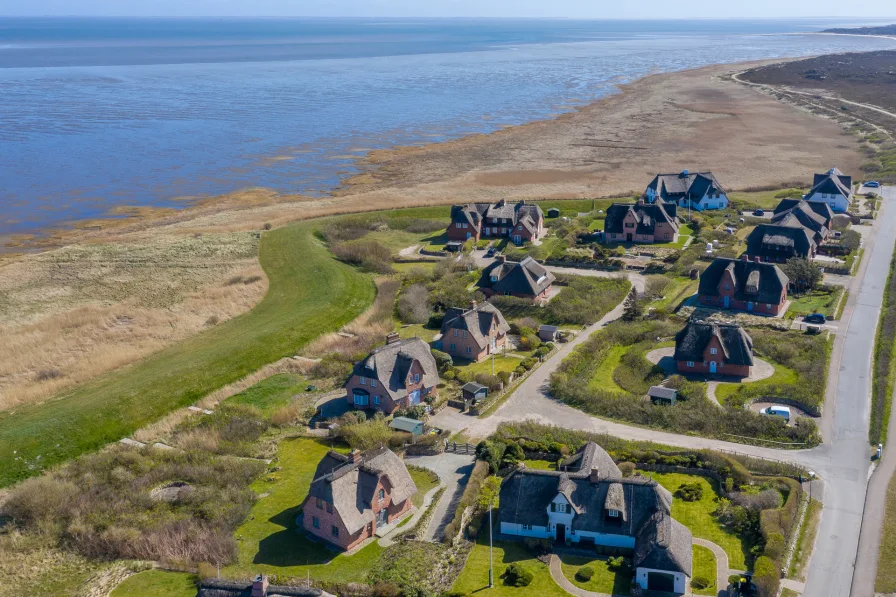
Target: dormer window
<point>494,278</point>
<point>613,513</point>
<point>363,381</point>
<point>381,495</point>
<point>372,383</point>
<point>751,289</point>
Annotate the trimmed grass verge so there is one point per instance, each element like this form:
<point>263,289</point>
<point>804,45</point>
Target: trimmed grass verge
<point>802,551</point>
<point>883,370</point>
<point>604,580</point>
<point>886,565</point>
<point>705,566</point>
<point>157,583</point>
<point>299,306</point>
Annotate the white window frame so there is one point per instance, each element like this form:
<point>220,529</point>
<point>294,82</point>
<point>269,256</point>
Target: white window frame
<point>363,381</point>
<point>372,383</point>
<point>613,513</point>
<point>417,378</point>
<point>690,363</point>
<point>376,399</point>
<point>713,351</point>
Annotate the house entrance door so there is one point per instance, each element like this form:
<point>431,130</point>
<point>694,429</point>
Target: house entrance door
<point>628,238</point>
<point>749,306</point>
<point>727,301</point>
<point>414,398</point>
<point>561,533</point>
<point>382,518</point>
<point>517,239</point>
<point>712,366</point>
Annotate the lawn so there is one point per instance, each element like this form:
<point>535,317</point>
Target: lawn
<point>603,377</point>
<point>697,516</point>
<point>268,540</point>
<point>822,300</point>
<point>272,393</point>
<point>396,240</point>
<point>604,580</point>
<point>502,363</point>
<point>474,577</point>
<point>886,565</point>
<point>425,480</point>
<point>418,330</point>
<point>684,233</point>
<point>113,406</point>
<point>678,291</point>
<point>764,199</point>
<point>541,465</point>
<point>782,375</point>
<point>705,566</point>
<point>157,583</point>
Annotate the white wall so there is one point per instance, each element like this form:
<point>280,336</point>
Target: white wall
<point>707,203</point>
<point>837,202</point>
<point>509,528</point>
<point>680,579</point>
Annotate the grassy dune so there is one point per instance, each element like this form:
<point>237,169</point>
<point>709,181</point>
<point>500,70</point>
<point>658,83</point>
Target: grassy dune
<point>310,293</point>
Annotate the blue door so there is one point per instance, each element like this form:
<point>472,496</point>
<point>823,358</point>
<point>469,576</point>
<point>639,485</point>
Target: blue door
<point>414,397</point>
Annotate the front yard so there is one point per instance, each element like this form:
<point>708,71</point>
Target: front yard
<point>697,516</point>
<point>821,300</point>
<point>473,580</point>
<point>604,580</point>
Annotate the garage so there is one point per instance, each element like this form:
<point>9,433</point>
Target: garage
<point>658,581</point>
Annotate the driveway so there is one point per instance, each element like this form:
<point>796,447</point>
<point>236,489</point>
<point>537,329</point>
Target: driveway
<point>453,471</point>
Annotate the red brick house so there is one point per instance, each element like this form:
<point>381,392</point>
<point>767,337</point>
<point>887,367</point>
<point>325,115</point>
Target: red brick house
<point>400,374</point>
<point>641,223</point>
<point>526,279</point>
<point>353,495</point>
<point>473,333</point>
<point>520,222</point>
<point>743,285</point>
<point>713,348</point>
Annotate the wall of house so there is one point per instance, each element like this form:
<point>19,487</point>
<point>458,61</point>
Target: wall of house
<point>604,539</point>
<point>835,200</point>
<point>327,520</point>
<point>556,518</point>
<point>707,202</point>
<point>461,344</point>
<point>702,367</point>
<point>386,404</point>
<point>641,575</point>
<point>510,528</point>
<point>727,288</point>
<point>462,231</point>
<point>542,296</point>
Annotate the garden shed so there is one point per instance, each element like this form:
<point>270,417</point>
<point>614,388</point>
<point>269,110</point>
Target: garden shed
<point>474,392</point>
<point>663,394</point>
<point>548,333</point>
<point>554,212</point>
<point>408,425</point>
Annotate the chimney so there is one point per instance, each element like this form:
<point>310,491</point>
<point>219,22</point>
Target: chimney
<point>260,586</point>
<point>641,201</point>
<point>354,456</point>
<point>501,259</point>
<point>757,259</point>
<point>392,338</point>
<point>501,203</point>
<point>744,257</point>
<point>594,477</point>
<point>473,305</point>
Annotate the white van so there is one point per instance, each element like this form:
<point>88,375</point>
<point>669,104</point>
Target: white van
<point>777,411</point>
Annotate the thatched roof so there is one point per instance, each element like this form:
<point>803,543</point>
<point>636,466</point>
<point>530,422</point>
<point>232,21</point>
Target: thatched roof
<point>616,499</point>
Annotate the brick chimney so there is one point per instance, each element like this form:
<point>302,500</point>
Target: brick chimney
<point>354,456</point>
<point>473,305</point>
<point>641,201</point>
<point>392,338</point>
<point>594,477</point>
<point>744,257</point>
<point>757,259</point>
<point>260,586</point>
<point>501,259</point>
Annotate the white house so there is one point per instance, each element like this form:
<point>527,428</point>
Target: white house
<point>592,504</point>
<point>834,188</point>
<point>698,190</point>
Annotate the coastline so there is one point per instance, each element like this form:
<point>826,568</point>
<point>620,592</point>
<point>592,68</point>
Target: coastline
<point>609,147</point>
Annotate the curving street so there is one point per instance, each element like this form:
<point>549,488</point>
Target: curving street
<point>842,462</point>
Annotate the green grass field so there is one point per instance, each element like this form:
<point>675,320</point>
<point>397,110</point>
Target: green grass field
<point>678,291</point>
<point>697,516</point>
<point>805,541</point>
<point>705,566</point>
<point>763,199</point>
<point>815,301</point>
<point>502,363</point>
<point>473,580</point>
<point>782,375</point>
<point>604,580</point>
<point>603,377</point>
<point>272,393</point>
<point>300,304</point>
<point>157,583</point>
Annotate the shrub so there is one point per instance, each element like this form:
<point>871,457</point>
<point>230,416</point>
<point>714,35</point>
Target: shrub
<point>370,255</point>
<point>367,435</point>
<point>586,299</point>
<point>690,492</point>
<point>492,382</point>
<point>527,364</point>
<point>775,546</point>
<point>701,582</point>
<point>656,286</point>
<point>518,575</point>
<point>617,563</point>
<point>413,304</point>
<point>627,468</point>
<point>443,360</point>
<point>584,573</point>
<point>766,576</point>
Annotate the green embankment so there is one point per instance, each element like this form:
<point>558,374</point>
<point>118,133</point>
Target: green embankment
<point>310,293</point>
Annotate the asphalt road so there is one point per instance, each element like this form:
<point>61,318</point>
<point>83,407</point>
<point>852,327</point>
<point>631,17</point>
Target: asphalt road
<point>842,461</point>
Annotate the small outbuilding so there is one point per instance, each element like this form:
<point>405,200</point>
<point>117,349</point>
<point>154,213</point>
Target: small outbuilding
<point>454,246</point>
<point>662,395</point>
<point>548,333</point>
<point>408,425</point>
<point>474,392</point>
<point>554,212</point>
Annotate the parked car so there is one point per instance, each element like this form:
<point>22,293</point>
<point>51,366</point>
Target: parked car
<point>872,184</point>
<point>777,411</point>
<point>815,318</point>
<point>491,252</point>
<point>759,212</point>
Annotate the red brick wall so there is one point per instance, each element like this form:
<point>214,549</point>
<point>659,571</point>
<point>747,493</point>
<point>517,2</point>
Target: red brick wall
<point>387,405</point>
<point>727,288</point>
<point>456,231</point>
<point>703,369</point>
<point>476,353</point>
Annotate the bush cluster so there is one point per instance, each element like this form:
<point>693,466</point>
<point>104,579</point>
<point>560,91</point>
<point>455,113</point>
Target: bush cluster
<point>517,575</point>
<point>690,492</point>
<point>369,255</point>
<point>584,573</point>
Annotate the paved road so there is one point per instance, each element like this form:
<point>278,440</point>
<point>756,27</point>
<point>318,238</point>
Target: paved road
<point>875,500</point>
<point>842,461</point>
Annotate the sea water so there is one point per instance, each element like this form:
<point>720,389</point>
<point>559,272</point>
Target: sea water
<point>99,113</point>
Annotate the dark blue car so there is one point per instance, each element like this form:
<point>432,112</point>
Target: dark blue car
<point>872,184</point>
